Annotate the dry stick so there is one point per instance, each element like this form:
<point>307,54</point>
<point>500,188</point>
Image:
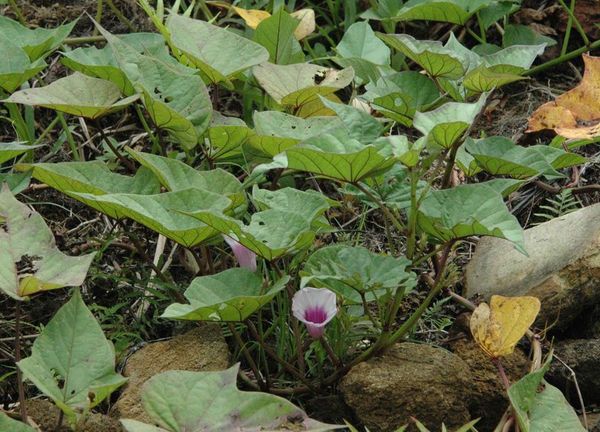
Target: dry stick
<point>577,190</point>
<point>579,395</point>
<point>248,356</point>
<point>20,386</point>
<point>161,242</point>
<point>296,331</point>
<point>334,359</point>
<point>277,391</point>
<point>128,164</point>
<point>399,226</point>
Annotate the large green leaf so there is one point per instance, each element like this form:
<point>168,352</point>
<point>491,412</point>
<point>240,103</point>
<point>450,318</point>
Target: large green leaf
<point>298,84</point>
<point>175,96</point>
<point>29,259</point>
<point>337,157</point>
<point>36,43</point>
<point>450,11</point>
<point>276,34</point>
<point>286,222</point>
<point>445,125</point>
<point>218,53</point>
<point>72,362</point>
<point>232,295</point>
<point>518,34</point>
<point>16,67</point>
<point>76,94</point>
<point>210,401</point>
<point>13,149</point>
<point>227,141</point>
<point>432,56</point>
<point>176,175</point>
<point>541,407</point>
<point>500,156</point>
<point>400,95</point>
<point>359,41</point>
<point>10,425</point>
<point>360,125</point>
<point>352,271</point>
<point>484,79</point>
<point>163,213</point>
<point>468,210</point>
<point>91,177</point>
<point>17,182</point>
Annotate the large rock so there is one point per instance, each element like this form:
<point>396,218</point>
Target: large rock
<point>562,269</point>
<point>583,357</point>
<point>201,349</point>
<point>410,380</point>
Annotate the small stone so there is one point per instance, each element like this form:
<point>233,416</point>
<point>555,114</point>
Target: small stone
<point>201,349</point>
<point>562,269</point>
<point>430,384</point>
<point>583,357</point>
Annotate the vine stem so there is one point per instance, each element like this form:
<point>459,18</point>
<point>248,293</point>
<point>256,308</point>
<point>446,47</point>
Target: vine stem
<point>248,356</point>
<point>563,58</point>
<point>20,386</point>
<point>399,226</point>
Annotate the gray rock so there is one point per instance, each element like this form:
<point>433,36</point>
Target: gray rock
<point>201,349</point>
<point>410,380</point>
<point>562,269</point>
<point>583,357</point>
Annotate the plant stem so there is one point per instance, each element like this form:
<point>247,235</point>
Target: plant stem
<point>126,162</point>
<point>297,336</point>
<point>69,136</point>
<point>83,40</point>
<point>155,143</point>
<point>397,224</point>
<point>20,386</point>
<point>481,28</point>
<point>573,20</point>
<point>248,356</point>
<point>17,12</point>
<point>565,45</point>
<point>502,373</point>
<point>411,235</point>
<point>98,17</point>
<point>120,16</point>
<point>562,58</point>
<point>449,166</point>
<point>334,358</point>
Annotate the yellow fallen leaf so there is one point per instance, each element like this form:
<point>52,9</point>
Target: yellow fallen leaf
<point>498,327</point>
<point>576,113</point>
<point>307,23</point>
<point>252,17</point>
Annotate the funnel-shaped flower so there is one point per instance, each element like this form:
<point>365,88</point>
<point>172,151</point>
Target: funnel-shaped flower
<point>245,257</point>
<point>315,307</point>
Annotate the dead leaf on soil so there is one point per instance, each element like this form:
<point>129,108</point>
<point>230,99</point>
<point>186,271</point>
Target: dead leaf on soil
<point>498,327</point>
<point>576,113</point>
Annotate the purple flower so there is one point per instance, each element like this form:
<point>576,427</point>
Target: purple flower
<point>315,307</point>
<point>245,257</point>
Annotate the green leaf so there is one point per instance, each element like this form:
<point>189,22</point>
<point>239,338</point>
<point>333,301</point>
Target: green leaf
<point>517,34</point>
<point>541,407</point>
<point>350,271</point>
<point>76,94</point>
<point>445,125</point>
<point>71,361</point>
<point>483,79</point>
<point>29,259</point>
<point>91,177</point>
<point>286,222</point>
<point>468,210</point>
<point>497,10</point>
<point>432,56</point>
<point>175,176</point>
<point>276,34</point>
<point>17,68</point>
<point>450,11</point>
<point>400,95</point>
<point>520,57</point>
<point>8,424</point>
<point>218,53</point>
<point>163,213</point>
<point>13,149</point>
<point>201,401</point>
<point>465,161</point>
<point>232,295</point>
<point>17,182</point>
<point>360,42</point>
<point>500,156</point>
<point>505,186</point>
<point>298,84</point>
<point>36,43</point>
<point>226,141</point>
<point>336,157</point>
<point>360,125</point>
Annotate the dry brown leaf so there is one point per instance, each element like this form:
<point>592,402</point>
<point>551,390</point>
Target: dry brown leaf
<point>252,17</point>
<point>498,327</point>
<point>576,113</point>
<point>307,23</point>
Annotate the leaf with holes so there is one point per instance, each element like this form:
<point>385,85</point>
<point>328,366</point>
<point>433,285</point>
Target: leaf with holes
<point>445,125</point>
<point>72,362</point>
<point>232,295</point>
<point>298,84</point>
<point>210,401</point>
<point>37,43</point>
<point>218,53</point>
<point>76,94</point>
<point>17,68</point>
<point>355,271</point>
<point>468,210</point>
<point>29,260</point>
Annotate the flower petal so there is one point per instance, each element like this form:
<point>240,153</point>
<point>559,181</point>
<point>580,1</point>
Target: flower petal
<point>245,257</point>
<point>315,307</point>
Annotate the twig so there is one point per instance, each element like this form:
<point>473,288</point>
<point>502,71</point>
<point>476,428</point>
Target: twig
<point>20,386</point>
<point>248,356</point>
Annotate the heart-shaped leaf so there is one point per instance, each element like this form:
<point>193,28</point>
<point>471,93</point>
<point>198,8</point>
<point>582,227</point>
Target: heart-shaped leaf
<point>218,53</point>
<point>360,42</point>
<point>450,11</point>
<point>358,124</point>
<point>76,94</point>
<point>232,295</point>
<point>276,34</point>
<point>467,210</point>
<point>29,259</point>
<point>71,361</point>
<point>16,67</point>
<point>210,401</point>
<point>227,141</point>
<point>355,271</point>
